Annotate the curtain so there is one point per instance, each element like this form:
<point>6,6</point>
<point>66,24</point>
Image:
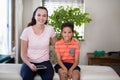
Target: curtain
<point>18,24</point>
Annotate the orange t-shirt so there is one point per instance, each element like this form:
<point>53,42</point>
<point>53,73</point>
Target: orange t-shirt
<point>67,51</point>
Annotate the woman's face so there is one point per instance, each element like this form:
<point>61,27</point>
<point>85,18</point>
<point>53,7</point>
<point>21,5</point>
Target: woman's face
<point>41,16</point>
<point>67,34</point>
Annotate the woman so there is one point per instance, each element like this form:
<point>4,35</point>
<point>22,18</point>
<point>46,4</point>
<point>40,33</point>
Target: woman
<point>35,41</point>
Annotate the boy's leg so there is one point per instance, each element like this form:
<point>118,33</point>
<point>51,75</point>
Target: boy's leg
<point>62,75</point>
<point>76,75</point>
<point>27,73</point>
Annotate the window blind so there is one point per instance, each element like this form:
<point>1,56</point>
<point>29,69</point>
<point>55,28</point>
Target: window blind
<point>51,5</point>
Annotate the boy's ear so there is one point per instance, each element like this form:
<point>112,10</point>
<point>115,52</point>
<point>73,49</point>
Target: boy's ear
<point>60,33</point>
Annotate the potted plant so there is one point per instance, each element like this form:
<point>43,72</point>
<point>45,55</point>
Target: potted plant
<point>74,15</point>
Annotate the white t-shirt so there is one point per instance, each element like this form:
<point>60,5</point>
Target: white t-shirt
<point>38,45</point>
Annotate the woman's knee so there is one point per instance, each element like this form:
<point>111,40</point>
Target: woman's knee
<point>47,77</point>
<point>27,77</point>
<point>26,73</point>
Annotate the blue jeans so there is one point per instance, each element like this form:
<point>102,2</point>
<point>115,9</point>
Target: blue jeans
<point>45,74</point>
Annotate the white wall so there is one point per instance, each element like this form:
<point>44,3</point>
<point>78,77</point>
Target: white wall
<point>23,15</point>
<point>28,7</point>
<point>101,34</point>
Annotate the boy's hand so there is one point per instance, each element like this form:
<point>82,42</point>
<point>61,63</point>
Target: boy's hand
<point>64,72</point>
<point>70,73</point>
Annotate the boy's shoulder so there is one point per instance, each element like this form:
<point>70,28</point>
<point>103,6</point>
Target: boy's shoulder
<point>59,41</point>
<point>74,41</point>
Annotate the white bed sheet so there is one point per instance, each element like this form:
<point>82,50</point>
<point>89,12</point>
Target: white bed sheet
<point>98,73</point>
<point>12,72</point>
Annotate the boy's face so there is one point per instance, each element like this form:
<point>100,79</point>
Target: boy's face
<point>67,34</point>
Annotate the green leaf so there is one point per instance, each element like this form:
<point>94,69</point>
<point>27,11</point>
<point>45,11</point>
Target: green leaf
<point>75,15</point>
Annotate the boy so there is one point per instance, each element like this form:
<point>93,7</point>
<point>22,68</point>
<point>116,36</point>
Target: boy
<point>67,54</point>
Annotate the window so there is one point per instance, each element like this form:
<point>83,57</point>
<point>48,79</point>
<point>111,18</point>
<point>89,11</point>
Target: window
<point>6,27</point>
<point>51,5</point>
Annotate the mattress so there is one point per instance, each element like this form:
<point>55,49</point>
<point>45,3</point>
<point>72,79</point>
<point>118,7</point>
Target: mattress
<point>98,73</point>
<point>12,72</point>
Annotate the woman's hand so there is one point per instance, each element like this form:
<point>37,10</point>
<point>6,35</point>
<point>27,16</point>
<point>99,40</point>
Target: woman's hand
<point>32,67</point>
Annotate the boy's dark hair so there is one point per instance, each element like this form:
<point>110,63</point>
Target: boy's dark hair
<point>67,24</point>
